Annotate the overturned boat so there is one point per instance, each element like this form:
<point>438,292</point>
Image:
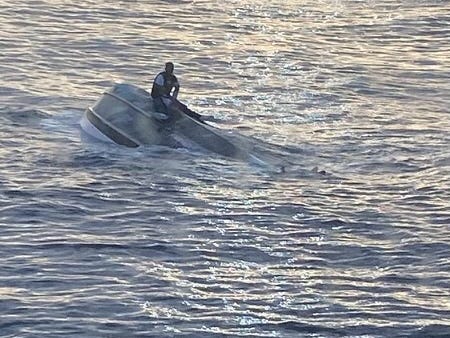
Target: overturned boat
<point>125,114</point>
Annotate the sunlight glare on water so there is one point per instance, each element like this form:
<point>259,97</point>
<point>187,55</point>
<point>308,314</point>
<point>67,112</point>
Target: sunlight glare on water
<point>349,239</point>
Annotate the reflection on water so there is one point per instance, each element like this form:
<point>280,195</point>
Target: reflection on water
<point>98,240</point>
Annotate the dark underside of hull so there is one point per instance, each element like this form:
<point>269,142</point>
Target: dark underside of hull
<point>126,115</point>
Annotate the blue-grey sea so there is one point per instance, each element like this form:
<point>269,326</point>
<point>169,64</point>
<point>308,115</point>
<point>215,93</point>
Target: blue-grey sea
<point>351,239</point>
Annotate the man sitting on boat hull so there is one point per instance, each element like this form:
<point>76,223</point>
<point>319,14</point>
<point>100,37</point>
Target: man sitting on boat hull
<point>162,95</point>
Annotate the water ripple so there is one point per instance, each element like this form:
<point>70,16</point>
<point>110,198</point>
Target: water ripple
<point>349,240</point>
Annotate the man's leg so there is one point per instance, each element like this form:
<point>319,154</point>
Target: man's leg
<point>159,105</point>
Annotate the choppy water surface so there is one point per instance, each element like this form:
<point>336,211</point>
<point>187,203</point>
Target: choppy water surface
<point>103,241</point>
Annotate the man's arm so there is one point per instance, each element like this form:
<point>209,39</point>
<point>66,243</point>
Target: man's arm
<point>158,85</point>
<point>177,89</point>
<point>176,84</point>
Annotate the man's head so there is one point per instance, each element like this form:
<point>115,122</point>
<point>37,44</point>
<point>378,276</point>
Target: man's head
<point>169,67</point>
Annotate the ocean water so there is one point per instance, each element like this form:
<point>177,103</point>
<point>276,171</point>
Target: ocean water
<point>351,240</point>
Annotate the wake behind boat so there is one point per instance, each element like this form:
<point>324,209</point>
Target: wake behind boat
<point>126,115</point>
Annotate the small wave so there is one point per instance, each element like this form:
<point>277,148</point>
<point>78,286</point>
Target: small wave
<point>21,116</point>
